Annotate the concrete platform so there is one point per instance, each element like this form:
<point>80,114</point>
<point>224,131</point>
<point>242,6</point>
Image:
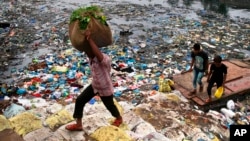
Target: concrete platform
<point>237,83</point>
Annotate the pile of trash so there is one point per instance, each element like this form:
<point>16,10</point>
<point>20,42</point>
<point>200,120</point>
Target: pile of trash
<point>162,116</point>
<point>46,92</point>
<point>147,51</point>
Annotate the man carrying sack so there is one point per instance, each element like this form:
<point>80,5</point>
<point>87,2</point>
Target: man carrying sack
<point>95,35</point>
<point>92,19</point>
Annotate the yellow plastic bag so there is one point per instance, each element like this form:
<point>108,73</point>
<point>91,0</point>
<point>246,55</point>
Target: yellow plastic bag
<point>164,84</point>
<point>110,133</point>
<point>59,69</point>
<point>218,93</point>
<point>60,118</point>
<point>170,82</point>
<point>5,123</point>
<point>25,123</point>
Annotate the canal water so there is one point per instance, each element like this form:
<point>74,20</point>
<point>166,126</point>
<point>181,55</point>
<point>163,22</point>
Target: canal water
<point>214,5</point>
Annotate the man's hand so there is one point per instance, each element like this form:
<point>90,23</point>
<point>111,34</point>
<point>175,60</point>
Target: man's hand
<point>187,71</point>
<point>87,34</point>
<point>190,70</point>
<point>206,72</point>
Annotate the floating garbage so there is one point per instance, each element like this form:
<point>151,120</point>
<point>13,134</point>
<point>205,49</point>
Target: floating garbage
<point>60,69</point>
<point>21,91</point>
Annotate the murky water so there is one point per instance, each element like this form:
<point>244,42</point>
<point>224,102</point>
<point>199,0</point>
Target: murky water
<point>191,4</point>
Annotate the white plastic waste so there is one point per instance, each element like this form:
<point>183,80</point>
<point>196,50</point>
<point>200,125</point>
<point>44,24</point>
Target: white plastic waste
<point>39,102</point>
<point>54,108</point>
<point>231,105</point>
<point>144,129</point>
<point>155,136</point>
<point>6,98</point>
<point>227,112</point>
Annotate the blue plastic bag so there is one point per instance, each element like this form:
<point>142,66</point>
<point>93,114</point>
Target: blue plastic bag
<point>21,91</point>
<point>92,101</point>
<point>13,110</point>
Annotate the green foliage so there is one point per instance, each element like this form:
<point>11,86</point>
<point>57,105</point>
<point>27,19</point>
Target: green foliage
<point>84,14</point>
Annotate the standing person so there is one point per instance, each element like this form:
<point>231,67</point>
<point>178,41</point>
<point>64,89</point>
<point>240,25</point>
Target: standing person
<point>217,74</point>
<point>100,65</point>
<point>199,65</point>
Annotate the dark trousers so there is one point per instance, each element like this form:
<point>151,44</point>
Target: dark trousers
<point>86,96</point>
<point>210,85</point>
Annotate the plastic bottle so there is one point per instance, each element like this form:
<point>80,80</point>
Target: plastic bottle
<point>227,112</point>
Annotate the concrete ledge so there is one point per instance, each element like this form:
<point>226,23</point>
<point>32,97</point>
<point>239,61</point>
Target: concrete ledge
<point>237,85</point>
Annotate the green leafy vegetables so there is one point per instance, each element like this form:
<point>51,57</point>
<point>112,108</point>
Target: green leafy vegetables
<point>84,14</point>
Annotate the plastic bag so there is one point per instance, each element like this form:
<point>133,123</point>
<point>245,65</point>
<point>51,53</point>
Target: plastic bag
<point>25,122</point>
<point>60,118</point>
<point>155,136</point>
<point>21,91</point>
<point>5,124</point>
<point>218,93</point>
<point>13,110</point>
<point>110,133</point>
<point>60,69</point>
<point>165,84</point>
<point>231,105</point>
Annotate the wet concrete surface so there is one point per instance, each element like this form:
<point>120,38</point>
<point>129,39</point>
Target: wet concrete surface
<point>237,83</point>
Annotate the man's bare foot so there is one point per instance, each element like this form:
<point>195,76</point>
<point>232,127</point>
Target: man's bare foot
<point>208,100</point>
<point>192,92</point>
<point>201,88</point>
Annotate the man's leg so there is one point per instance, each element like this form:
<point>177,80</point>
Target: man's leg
<point>218,83</point>
<point>110,105</point>
<point>199,80</point>
<point>195,76</point>
<point>81,100</point>
<point>209,90</point>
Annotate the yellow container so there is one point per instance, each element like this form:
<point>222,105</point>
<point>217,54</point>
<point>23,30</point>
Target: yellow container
<point>218,93</point>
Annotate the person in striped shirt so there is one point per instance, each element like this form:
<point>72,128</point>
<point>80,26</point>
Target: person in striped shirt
<point>100,65</point>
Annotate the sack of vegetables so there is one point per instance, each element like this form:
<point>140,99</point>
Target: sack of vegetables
<point>89,18</point>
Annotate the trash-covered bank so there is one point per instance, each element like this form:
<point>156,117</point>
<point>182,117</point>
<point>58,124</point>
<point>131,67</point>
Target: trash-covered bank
<point>151,44</point>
